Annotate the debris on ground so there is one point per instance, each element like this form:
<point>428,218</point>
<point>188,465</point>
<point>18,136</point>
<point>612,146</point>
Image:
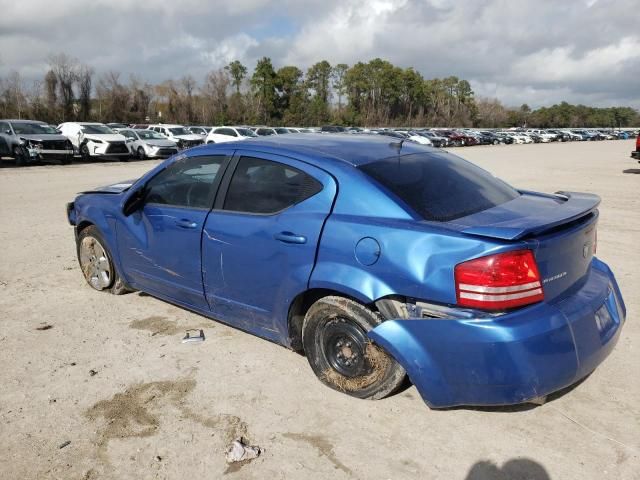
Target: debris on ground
<point>64,444</point>
<point>238,451</point>
<point>46,326</point>
<point>195,338</point>
<point>93,372</point>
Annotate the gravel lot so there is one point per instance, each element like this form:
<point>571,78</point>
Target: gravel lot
<point>112,377</point>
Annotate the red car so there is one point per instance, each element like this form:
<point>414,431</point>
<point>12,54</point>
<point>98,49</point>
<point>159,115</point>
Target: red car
<point>636,154</point>
<point>459,139</point>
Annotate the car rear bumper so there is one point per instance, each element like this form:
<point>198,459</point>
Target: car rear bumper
<point>636,154</point>
<point>513,358</point>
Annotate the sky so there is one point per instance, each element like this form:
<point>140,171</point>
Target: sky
<point>537,52</point>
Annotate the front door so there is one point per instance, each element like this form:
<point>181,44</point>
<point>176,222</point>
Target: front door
<point>159,244</point>
<point>259,243</point>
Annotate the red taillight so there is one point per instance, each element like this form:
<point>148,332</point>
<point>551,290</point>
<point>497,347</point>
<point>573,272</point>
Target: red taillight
<point>498,282</point>
<point>638,143</point>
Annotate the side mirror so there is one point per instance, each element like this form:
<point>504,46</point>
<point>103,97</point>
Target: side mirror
<point>8,132</point>
<point>135,201</point>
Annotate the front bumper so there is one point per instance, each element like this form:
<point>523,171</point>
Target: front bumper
<point>513,358</point>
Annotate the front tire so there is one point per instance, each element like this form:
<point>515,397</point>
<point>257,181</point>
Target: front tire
<point>141,154</point>
<point>335,341</point>
<point>96,263</point>
<point>84,152</point>
<point>19,156</point>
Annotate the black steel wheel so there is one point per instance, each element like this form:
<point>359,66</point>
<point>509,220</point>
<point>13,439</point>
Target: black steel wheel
<point>339,351</point>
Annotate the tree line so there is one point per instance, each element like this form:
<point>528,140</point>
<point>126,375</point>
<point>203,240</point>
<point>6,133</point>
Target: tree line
<point>374,93</point>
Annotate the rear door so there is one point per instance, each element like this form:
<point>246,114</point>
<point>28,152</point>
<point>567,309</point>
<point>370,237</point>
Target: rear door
<point>159,245</point>
<point>259,243</point>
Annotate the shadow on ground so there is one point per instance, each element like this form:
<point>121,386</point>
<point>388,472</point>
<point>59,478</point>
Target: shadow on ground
<point>632,170</point>
<point>520,468</point>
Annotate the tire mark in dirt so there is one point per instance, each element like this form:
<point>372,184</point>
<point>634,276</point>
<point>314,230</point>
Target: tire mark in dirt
<point>136,413</point>
<point>158,325</point>
<point>324,447</point>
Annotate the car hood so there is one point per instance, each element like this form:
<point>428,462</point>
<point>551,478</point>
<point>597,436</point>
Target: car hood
<point>159,143</point>
<point>113,188</point>
<point>190,137</point>
<point>105,137</point>
<point>43,137</point>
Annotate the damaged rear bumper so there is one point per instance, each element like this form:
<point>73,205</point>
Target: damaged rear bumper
<point>513,358</point>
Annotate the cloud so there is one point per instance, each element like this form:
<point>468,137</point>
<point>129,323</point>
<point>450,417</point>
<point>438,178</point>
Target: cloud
<point>537,52</point>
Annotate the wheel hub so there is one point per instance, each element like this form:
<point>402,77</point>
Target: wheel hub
<point>94,263</point>
<point>344,345</point>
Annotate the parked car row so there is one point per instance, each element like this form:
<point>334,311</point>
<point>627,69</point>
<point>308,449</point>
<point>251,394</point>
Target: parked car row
<point>29,141</point>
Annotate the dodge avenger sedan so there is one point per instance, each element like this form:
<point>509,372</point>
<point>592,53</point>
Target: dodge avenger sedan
<point>377,258</point>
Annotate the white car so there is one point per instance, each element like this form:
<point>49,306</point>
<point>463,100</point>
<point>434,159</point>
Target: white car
<point>545,137</point>
<point>229,134</point>
<point>415,137</point>
<point>199,130</point>
<point>95,140</point>
<point>179,135</point>
<point>149,144</point>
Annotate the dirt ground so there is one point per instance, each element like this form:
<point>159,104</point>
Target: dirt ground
<point>110,375</point>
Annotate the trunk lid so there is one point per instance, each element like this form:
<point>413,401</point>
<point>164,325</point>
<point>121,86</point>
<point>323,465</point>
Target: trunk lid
<point>560,229</point>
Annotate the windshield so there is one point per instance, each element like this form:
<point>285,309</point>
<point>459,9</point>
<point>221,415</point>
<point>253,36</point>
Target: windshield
<point>281,131</point>
<point>440,187</point>
<point>245,132</point>
<point>30,129</point>
<point>150,135</point>
<point>179,131</point>
<point>96,129</point>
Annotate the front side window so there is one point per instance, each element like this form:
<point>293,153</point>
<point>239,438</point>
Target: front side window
<point>440,187</point>
<point>263,186</point>
<point>188,182</point>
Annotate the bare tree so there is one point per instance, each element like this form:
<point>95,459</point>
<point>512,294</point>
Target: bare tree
<point>65,69</point>
<point>84,79</point>
<point>215,96</point>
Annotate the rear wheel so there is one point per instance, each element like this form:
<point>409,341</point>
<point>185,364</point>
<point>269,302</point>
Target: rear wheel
<point>342,356</point>
<point>96,263</point>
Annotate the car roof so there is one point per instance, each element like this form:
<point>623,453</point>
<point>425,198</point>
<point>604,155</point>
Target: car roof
<point>15,120</point>
<point>352,149</point>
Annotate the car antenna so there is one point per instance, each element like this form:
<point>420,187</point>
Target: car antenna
<point>397,145</point>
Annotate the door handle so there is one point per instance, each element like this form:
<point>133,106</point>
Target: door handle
<point>289,237</point>
<point>185,223</point>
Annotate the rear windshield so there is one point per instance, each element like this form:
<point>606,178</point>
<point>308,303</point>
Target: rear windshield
<point>440,187</point>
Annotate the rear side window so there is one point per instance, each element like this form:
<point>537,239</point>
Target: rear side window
<point>440,187</point>
<point>188,182</point>
<point>262,186</point>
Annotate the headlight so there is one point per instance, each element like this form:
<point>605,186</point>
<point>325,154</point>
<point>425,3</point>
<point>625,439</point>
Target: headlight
<point>95,140</point>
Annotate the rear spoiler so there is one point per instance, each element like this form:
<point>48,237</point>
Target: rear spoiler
<point>530,215</point>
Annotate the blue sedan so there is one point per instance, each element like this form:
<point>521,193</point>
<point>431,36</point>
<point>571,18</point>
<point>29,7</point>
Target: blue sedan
<point>377,258</point>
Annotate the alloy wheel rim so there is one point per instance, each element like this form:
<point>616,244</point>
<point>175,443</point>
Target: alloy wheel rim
<point>95,263</point>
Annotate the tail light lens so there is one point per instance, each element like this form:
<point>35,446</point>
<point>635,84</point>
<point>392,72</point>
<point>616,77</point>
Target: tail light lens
<point>499,282</point>
<point>638,143</point>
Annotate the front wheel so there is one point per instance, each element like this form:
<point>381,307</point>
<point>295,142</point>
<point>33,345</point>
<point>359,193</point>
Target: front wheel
<point>96,263</point>
<point>20,156</point>
<point>84,152</point>
<point>342,356</point>
<point>141,154</point>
